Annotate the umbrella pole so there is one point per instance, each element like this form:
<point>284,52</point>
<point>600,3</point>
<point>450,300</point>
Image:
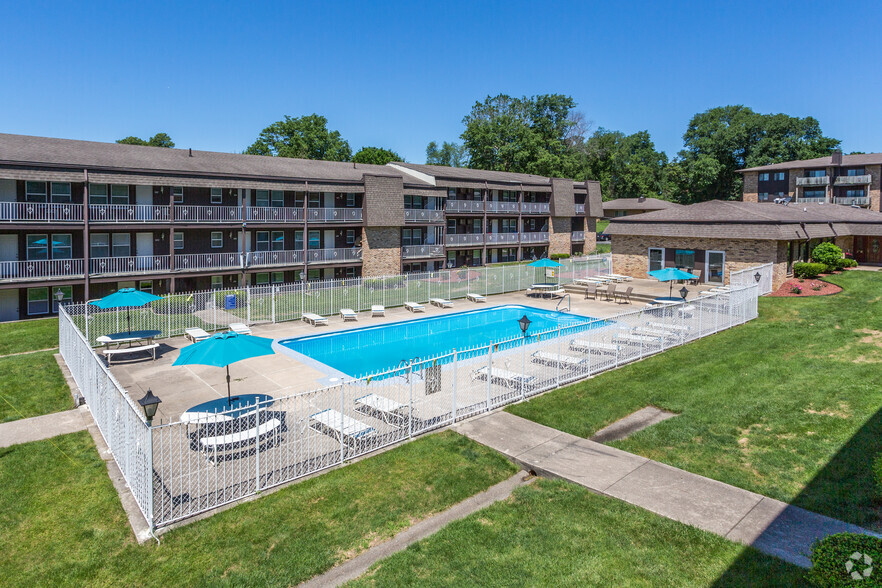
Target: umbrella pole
<point>229,399</point>
<point>129,320</point>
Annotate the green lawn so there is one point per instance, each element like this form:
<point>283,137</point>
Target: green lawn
<point>787,405</point>
<point>21,336</point>
<point>32,385</point>
<point>554,533</point>
<point>63,524</point>
<point>601,226</point>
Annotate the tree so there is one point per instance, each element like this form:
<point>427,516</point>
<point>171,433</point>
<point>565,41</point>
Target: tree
<point>157,140</point>
<point>376,155</point>
<point>306,137</point>
<point>449,154</point>
<point>627,166</point>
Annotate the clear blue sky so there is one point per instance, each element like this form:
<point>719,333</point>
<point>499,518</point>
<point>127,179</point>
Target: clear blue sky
<point>399,75</point>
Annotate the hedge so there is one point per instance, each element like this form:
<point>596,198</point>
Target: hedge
<point>836,557</point>
<point>560,255</point>
<point>808,270</point>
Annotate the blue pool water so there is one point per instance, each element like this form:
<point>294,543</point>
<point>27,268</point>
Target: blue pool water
<point>370,350</point>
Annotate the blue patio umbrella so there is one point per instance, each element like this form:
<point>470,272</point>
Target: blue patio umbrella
<point>222,349</point>
<point>671,274</point>
<point>544,262</point>
<point>126,297</point>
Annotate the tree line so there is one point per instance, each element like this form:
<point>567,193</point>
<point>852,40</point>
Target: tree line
<point>545,135</point>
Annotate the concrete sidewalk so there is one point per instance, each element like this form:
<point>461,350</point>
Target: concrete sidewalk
<point>772,526</point>
<point>44,427</point>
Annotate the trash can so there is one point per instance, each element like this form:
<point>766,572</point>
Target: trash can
<point>229,302</point>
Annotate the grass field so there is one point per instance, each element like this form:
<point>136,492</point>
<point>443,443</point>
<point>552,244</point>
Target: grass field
<point>63,524</point>
<point>554,533</point>
<point>601,226</point>
<point>22,336</point>
<point>787,405</point>
<point>32,385</point>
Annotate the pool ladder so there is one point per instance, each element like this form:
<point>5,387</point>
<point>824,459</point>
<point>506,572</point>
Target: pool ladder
<point>406,363</point>
<point>559,302</point>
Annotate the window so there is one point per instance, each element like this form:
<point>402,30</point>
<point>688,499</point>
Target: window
<point>38,301</point>
<point>278,277</point>
<point>778,176</point>
<point>684,258</point>
<point>99,245</point>
<point>315,200</point>
<point>315,240</point>
<point>119,194</point>
<point>217,239</point>
<point>762,197</point>
<point>261,279</point>
<point>178,194</point>
<point>261,198</point>
<point>122,245</point>
<point>350,236</point>
<point>278,241</point>
<point>816,173</point>
<point>298,240</point>
<point>715,262</point>
<point>35,191</point>
<point>61,192</point>
<point>97,193</point>
<point>179,240</point>
<point>314,274</point>
<point>350,200</point>
<point>298,199</point>
<point>146,286</point>
<point>656,258</point>
<point>61,246</point>
<point>350,272</point>
<point>37,247</point>
<point>621,213</point>
<point>262,241</point>
<point>66,296</point>
<point>217,195</point>
<point>278,199</point>
<point>822,194</point>
<point>217,282</point>
<point>855,193</point>
<point>451,193</point>
<point>764,177</point>
<point>855,171</point>
<point>451,226</point>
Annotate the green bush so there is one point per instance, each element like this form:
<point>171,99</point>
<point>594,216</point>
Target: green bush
<point>848,262</point>
<point>828,254</point>
<point>384,283</point>
<point>808,270</point>
<point>560,255</point>
<point>832,554</point>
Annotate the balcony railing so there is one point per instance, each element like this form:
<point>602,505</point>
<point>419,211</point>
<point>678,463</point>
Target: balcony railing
<point>464,239</point>
<point>40,212</point>
<point>333,215</point>
<point>419,251</point>
<point>852,200</point>
<point>273,214</point>
<point>534,237</point>
<point>814,199</point>
<point>853,180</point>
<point>45,269</point>
<point>275,258</point>
<point>464,206</point>
<point>128,213</point>
<point>493,206</point>
<point>340,255</point>
<point>141,264</point>
<point>821,181</point>
<point>535,207</point>
<point>502,238</point>
<point>578,235</point>
<point>207,214</point>
<point>419,215</point>
<point>580,209</point>
<point>203,261</point>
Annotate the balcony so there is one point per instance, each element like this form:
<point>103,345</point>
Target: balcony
<point>419,215</point>
<point>273,214</point>
<point>822,181</point>
<point>578,236</point>
<point>128,213</point>
<point>535,207</point>
<point>852,200</point>
<point>853,180</point>
<point>207,214</point>
<point>421,251</point>
<point>502,238</point>
<point>464,240</point>
<point>503,207</point>
<point>815,200</point>
<point>580,208</point>
<point>45,269</point>
<point>208,261</point>
<point>333,215</point>
<point>534,237</point>
<point>340,255</point>
<point>274,258</point>
<point>464,206</point>
<point>142,264</point>
<point>40,212</point>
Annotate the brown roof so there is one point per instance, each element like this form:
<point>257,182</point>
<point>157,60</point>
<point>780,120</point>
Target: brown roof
<point>847,161</point>
<point>638,204</point>
<point>751,220</point>
<point>476,175</point>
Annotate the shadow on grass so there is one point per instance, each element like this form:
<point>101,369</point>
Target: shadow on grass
<point>848,479</point>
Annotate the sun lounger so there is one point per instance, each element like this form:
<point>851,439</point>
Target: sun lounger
<point>240,328</point>
<point>558,359</point>
<point>591,280</point>
<point>505,378</point>
<point>633,339</point>
<point>348,314</point>
<point>414,307</point>
<point>664,333</point>
<point>687,311</point>
<point>682,328</point>
<point>441,302</point>
<point>211,445</point>
<point>386,409</point>
<point>196,334</point>
<point>586,346</point>
<point>558,293</point>
<point>110,353</point>
<point>314,319</point>
<point>620,277</point>
<point>476,297</point>
<point>378,310</point>
<point>338,425</point>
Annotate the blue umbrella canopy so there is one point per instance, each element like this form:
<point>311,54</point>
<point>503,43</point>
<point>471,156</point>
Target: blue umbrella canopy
<point>544,263</point>
<point>671,273</point>
<point>126,297</point>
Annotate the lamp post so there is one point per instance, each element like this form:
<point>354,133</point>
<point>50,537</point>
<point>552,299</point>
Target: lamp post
<point>149,403</point>
<point>524,323</point>
<point>683,293</point>
<point>59,296</point>
<point>757,276</point>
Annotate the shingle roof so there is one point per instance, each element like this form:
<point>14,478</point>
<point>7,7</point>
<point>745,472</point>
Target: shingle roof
<point>464,173</point>
<point>847,161</point>
<point>638,204</point>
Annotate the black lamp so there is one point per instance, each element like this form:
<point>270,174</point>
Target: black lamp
<point>524,322</point>
<point>683,292</point>
<point>59,295</point>
<point>757,277</point>
<point>149,403</point>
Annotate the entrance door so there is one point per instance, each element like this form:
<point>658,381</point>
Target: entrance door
<point>329,239</point>
<point>144,250</point>
<point>715,264</point>
<point>868,249</point>
<point>9,305</point>
<point>656,258</point>
<point>8,247</point>
<point>144,200</point>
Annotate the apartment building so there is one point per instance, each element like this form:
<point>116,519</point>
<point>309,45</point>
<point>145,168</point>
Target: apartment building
<point>852,180</point>
<point>81,219</point>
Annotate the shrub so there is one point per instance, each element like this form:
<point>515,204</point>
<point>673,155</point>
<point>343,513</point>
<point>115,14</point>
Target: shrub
<point>560,255</point>
<point>848,262</point>
<point>832,554</point>
<point>828,254</point>
<point>795,289</point>
<point>808,270</point>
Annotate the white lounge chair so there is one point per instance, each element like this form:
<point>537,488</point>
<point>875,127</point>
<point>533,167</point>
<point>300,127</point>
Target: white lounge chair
<point>414,307</point>
<point>557,359</point>
<point>441,302</point>
<point>505,378</point>
<point>240,328</point>
<point>681,328</point>
<point>386,409</point>
<point>338,425</point>
<point>314,319</point>
<point>476,297</point>
<point>196,334</point>
<point>633,339</point>
<point>664,333</point>
<point>378,310</point>
<point>586,346</point>
<point>348,314</point>
<point>110,353</point>
<point>211,445</point>
<point>558,293</point>
<point>620,277</point>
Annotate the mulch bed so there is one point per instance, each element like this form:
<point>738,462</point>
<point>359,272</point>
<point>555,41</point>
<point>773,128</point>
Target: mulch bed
<point>815,287</point>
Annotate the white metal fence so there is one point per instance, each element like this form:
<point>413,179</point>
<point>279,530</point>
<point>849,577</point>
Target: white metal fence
<point>762,275</point>
<point>179,469</point>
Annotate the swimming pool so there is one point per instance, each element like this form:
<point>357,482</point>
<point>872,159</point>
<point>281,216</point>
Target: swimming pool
<point>370,350</point>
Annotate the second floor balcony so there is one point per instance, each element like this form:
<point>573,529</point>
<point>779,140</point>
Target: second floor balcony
<point>578,236</point>
<point>541,237</point>
<point>44,269</point>
<point>464,239</point>
<point>421,215</point>
<point>40,212</point>
<point>273,214</point>
<point>852,200</point>
<point>422,251</point>
<point>853,180</point>
<point>813,181</point>
<point>207,214</point>
<point>535,207</point>
<point>333,215</point>
<point>128,213</point>
<point>502,207</point>
<point>464,206</point>
<point>580,208</point>
<point>141,264</point>
<point>502,238</point>
<point>813,199</point>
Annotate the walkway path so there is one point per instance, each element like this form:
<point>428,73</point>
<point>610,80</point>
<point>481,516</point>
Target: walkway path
<point>772,526</point>
<point>44,427</point>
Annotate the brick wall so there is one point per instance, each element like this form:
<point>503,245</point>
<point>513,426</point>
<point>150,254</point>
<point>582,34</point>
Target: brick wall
<point>874,192</point>
<point>381,251</point>
<point>845,243</point>
<point>794,173</point>
<point>750,187</point>
<point>560,235</point>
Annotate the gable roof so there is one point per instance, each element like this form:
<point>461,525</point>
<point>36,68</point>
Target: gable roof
<point>638,204</point>
<point>855,160</point>
<point>449,174</point>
